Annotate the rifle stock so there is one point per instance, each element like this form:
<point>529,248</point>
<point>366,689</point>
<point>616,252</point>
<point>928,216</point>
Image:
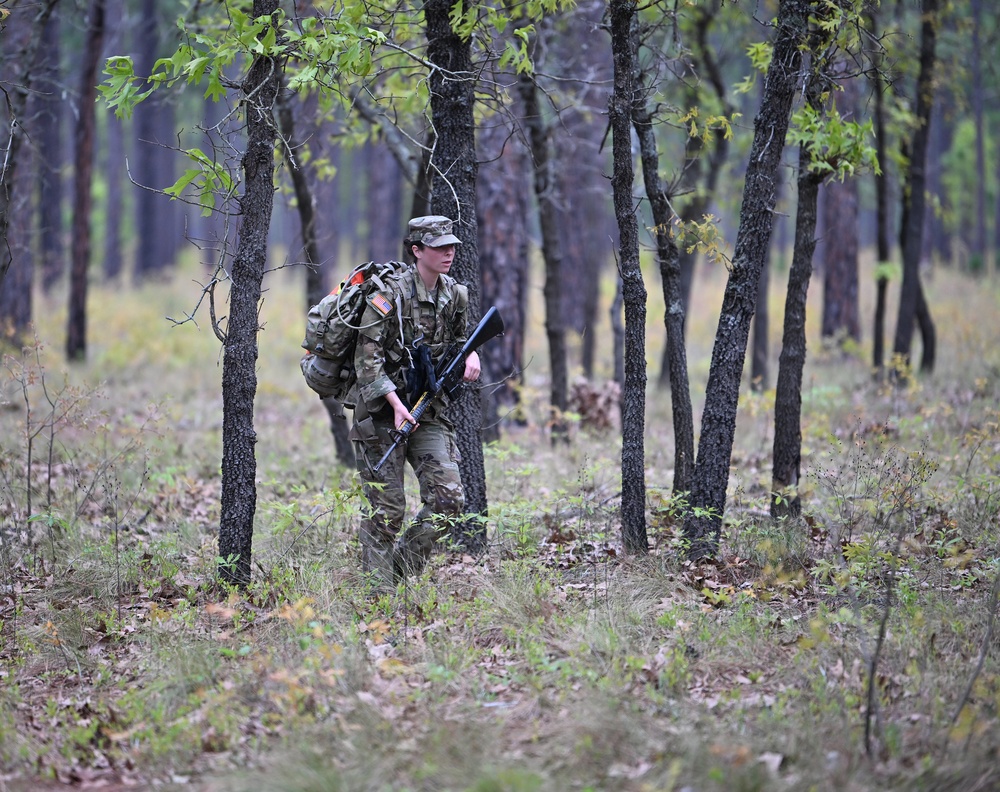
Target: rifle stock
<point>490,326</point>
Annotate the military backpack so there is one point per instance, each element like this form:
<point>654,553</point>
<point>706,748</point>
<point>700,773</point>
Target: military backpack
<point>332,327</point>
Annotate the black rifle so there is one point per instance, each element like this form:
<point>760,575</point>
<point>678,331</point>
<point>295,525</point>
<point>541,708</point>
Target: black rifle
<point>452,369</point>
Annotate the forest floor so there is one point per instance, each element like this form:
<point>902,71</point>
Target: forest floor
<point>852,649</point>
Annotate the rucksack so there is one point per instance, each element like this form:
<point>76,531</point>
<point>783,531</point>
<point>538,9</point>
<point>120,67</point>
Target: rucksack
<point>332,327</point>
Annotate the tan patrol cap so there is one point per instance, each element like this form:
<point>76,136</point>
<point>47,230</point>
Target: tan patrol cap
<point>433,231</point>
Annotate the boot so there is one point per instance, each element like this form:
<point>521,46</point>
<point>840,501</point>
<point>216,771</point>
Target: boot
<point>378,562</point>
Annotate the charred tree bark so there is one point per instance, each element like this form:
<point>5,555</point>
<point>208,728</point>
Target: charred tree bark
<point>454,163</point>
<point>703,524</point>
<point>623,17</point>
<point>239,363</point>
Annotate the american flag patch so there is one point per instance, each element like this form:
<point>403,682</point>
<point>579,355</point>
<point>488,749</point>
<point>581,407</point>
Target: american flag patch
<point>380,304</point>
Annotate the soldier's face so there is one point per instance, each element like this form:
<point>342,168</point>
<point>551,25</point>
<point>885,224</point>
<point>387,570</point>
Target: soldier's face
<point>435,260</point>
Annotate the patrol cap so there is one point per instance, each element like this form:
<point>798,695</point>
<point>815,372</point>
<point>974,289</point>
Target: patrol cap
<point>432,231</point>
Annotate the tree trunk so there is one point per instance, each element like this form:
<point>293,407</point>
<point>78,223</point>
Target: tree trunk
<point>761,327</point>
<point>143,163</point>
<point>545,192</point>
<point>19,64</point>
<point>911,297</point>
<point>787,451</point>
<point>86,130</point>
<point>883,238</point>
<point>503,208</point>
<point>50,157</point>
<point>239,372</point>
<point>703,524</point>
<point>452,87</point>
<point>115,175</point>
<point>623,19</point>
<point>840,318</point>
<point>668,257</point>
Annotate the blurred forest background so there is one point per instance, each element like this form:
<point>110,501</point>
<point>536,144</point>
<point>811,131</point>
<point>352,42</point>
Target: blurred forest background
<point>361,153</point>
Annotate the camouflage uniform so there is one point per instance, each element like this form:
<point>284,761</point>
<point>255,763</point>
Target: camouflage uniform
<point>381,359</point>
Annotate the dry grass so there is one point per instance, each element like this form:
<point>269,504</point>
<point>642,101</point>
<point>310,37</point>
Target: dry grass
<point>552,662</point>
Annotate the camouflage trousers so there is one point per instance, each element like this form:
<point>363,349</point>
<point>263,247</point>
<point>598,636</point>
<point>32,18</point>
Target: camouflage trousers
<point>389,553</point>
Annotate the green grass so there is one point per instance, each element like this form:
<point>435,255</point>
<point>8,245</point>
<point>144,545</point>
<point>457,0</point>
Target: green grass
<point>552,662</point>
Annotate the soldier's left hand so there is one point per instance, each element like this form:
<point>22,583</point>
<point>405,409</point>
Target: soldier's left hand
<point>473,368</point>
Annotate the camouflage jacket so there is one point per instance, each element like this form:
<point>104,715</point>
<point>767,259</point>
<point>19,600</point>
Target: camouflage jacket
<point>382,357</point>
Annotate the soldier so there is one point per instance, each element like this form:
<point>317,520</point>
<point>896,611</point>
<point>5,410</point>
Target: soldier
<point>422,307</point>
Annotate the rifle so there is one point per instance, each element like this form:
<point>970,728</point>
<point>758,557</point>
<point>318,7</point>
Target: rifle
<point>452,369</point>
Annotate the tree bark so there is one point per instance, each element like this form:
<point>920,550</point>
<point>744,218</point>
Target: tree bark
<point>503,209</point>
<point>787,451</point>
<point>882,236</point>
<point>912,304</point>
<point>86,130</point>
<point>668,257</point>
<point>115,175</point>
<point>840,317</point>
<point>703,524</point>
<point>239,373</point>
<point>50,157</point>
<point>545,192</point>
<point>455,168</point>
<point>19,66</point>
<point>623,18</point>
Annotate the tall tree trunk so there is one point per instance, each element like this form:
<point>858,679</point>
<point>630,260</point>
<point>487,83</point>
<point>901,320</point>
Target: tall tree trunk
<point>86,130</point>
<point>239,362</point>
<point>452,87</point>
<point>545,188</point>
<point>787,450</point>
<point>623,19</point>
<point>114,173</point>
<point>19,65</point>
<point>761,327</point>
<point>306,205</point>
<point>912,304</point>
<point>143,164</point>
<point>668,257</point>
<point>703,524</point>
<point>503,209</point>
<point>50,157</point>
<point>840,317</point>
<point>883,238</point>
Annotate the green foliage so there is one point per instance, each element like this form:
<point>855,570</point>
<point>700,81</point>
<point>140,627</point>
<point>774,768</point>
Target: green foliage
<point>836,147</point>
